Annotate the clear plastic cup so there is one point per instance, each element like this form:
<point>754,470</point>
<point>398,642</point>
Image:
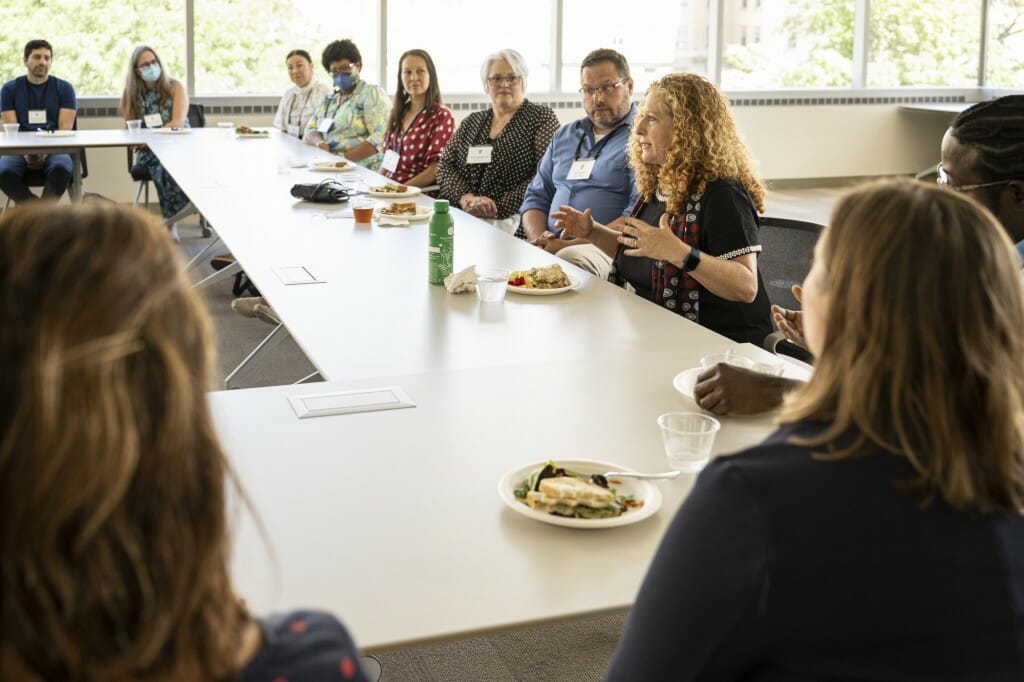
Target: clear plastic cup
<point>362,210</point>
<point>11,128</point>
<point>491,284</point>
<point>688,438</point>
<point>134,125</point>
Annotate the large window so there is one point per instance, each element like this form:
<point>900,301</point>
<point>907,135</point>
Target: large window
<point>665,36</point>
<point>788,43</point>
<point>93,39</point>
<point>459,34</point>
<point>1005,57</point>
<point>241,44</point>
<point>921,42</point>
<point>237,47</point>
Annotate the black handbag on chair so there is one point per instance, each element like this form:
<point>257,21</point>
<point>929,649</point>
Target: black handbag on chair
<point>325,192</point>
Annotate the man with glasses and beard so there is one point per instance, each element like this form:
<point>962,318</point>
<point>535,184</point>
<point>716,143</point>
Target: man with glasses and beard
<point>37,101</point>
<point>585,164</point>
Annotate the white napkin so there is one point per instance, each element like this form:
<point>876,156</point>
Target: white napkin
<point>391,221</point>
<point>463,281</point>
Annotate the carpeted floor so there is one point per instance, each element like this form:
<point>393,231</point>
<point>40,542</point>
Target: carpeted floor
<point>577,650</point>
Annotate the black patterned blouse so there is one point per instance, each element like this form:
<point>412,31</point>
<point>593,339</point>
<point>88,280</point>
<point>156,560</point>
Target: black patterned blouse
<point>516,152</point>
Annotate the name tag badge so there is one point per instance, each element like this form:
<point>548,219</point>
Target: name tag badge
<point>581,169</point>
<point>390,162</point>
<point>153,120</point>
<point>325,125</point>
<point>37,116</point>
<point>479,154</point>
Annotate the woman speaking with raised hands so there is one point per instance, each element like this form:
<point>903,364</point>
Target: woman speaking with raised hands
<point>691,243</point>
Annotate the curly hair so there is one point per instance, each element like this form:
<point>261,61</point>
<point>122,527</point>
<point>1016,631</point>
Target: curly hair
<point>113,530</point>
<point>705,144</point>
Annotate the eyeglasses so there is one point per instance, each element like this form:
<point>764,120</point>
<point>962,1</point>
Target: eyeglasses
<point>499,80</point>
<point>942,177</point>
<point>145,64</point>
<point>343,69</point>
<point>607,90</point>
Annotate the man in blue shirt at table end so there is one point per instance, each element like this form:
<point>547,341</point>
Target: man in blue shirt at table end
<point>37,101</point>
<point>585,164</point>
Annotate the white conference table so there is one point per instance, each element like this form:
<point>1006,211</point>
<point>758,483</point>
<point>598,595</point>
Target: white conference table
<point>391,519</point>
<point>376,314</point>
<point>73,144</point>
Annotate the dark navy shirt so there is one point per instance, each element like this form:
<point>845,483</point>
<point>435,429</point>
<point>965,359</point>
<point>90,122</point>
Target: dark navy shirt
<point>781,566</point>
<point>54,94</point>
<point>304,646</point>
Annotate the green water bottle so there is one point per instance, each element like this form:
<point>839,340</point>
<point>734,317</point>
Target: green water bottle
<point>442,243</point>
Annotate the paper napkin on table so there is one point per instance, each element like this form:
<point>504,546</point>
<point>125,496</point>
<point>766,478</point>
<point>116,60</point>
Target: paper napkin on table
<point>460,282</point>
<point>391,221</point>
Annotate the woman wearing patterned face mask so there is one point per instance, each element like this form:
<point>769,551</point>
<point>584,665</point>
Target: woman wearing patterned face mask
<point>303,98</point>
<point>160,102</point>
<point>350,122</point>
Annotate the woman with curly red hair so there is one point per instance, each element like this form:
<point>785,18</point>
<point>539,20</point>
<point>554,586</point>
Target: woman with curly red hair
<point>691,244</point>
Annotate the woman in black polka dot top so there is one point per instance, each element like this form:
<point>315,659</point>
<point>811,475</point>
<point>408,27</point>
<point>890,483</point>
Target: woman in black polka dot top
<point>492,157</point>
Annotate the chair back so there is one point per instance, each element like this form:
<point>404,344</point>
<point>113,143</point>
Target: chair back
<point>788,246</point>
<point>196,116</point>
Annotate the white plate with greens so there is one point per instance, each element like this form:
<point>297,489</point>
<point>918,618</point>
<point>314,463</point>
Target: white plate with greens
<point>631,490</point>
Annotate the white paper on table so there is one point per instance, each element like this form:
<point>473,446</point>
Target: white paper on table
<point>347,402</point>
<point>296,274</point>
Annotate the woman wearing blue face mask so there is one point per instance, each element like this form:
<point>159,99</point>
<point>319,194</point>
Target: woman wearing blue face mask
<point>160,102</point>
<point>352,120</point>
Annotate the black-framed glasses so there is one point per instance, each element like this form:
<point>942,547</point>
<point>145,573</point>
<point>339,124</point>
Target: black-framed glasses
<point>608,89</point>
<point>942,177</point>
<point>343,69</point>
<point>499,80</point>
<point>149,63</point>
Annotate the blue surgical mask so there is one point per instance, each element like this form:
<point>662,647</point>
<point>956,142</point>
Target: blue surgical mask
<point>344,81</point>
<point>150,73</point>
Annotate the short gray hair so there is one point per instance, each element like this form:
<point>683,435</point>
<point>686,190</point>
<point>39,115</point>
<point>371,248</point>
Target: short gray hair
<point>514,59</point>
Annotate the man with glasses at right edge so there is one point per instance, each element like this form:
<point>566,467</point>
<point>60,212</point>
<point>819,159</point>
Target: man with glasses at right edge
<point>585,164</point>
<point>983,158</point>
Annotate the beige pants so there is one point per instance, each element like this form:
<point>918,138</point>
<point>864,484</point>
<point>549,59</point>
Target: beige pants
<point>589,257</point>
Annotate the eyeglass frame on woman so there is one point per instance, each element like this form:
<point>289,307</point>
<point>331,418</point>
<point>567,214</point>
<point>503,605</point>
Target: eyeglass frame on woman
<point>607,89</point>
<point>149,63</point>
<point>942,178</point>
<point>498,80</point>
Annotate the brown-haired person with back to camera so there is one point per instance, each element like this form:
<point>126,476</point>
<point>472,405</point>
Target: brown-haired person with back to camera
<point>877,534</point>
<point>113,534</point>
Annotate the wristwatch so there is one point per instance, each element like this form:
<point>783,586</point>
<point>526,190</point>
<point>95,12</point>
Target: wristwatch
<point>692,261</point>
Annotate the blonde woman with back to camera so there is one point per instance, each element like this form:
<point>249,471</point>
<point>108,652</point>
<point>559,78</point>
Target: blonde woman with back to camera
<point>877,535</point>
<point>113,531</point>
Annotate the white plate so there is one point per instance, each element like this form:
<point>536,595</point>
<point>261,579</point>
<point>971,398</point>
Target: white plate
<point>640,490</point>
<point>410,192</point>
<point>329,167</point>
<point>686,380</point>
<point>422,213</point>
<point>171,131</point>
<point>573,283</point>
<point>55,133</point>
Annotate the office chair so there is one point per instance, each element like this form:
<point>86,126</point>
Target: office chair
<point>141,174</point>
<point>788,246</point>
<point>36,178</point>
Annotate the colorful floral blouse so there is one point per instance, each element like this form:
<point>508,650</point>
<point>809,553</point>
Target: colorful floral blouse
<point>355,118</point>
